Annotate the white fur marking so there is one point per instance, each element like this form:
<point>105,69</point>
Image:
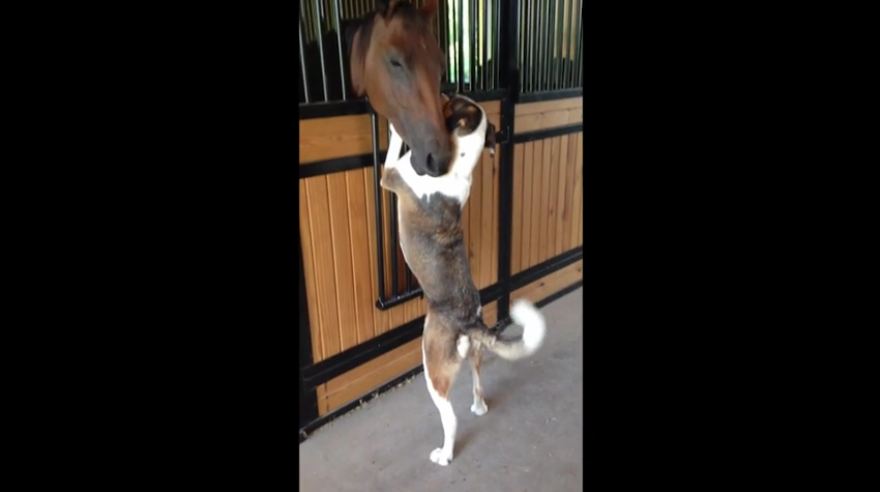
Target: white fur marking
<point>463,345</point>
<point>441,456</point>
<point>457,182</point>
<point>528,316</point>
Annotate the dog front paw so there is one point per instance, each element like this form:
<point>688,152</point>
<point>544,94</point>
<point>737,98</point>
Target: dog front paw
<point>479,408</point>
<point>440,457</point>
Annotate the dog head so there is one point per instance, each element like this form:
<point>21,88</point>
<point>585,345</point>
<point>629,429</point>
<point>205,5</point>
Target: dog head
<point>470,130</point>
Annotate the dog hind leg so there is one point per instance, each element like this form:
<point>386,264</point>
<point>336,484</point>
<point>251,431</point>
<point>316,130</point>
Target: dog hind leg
<point>479,407</point>
<point>439,381</point>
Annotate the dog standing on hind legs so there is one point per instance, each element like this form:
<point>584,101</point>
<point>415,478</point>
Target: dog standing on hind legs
<point>432,241</point>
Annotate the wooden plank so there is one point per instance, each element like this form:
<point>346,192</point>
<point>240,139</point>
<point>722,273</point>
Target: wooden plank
<point>537,166</point>
<point>490,313</point>
<point>325,282</point>
<point>553,196</point>
<point>337,136</point>
<point>552,119</point>
<point>309,274</point>
<point>550,284</point>
<point>390,370</point>
<point>577,207</point>
<point>543,243</point>
<point>496,187</point>
<point>379,317</point>
<point>341,381</point>
<point>475,204</point>
<point>528,164</point>
<point>340,244</point>
<point>360,254</point>
<point>569,191</point>
<point>486,223</point>
<point>560,196</point>
<point>548,106</point>
<point>321,396</point>
<point>516,216</point>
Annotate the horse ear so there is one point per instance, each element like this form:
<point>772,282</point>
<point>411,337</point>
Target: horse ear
<point>356,39</point>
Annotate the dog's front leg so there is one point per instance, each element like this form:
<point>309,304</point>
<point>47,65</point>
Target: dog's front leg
<point>394,147</point>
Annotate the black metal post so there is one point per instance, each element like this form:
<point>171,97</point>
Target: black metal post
<point>377,191</point>
<point>509,70</point>
<point>321,50</point>
<point>339,45</point>
<point>302,62</point>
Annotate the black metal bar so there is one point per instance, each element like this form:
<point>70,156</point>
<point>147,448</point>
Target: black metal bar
<point>308,402</point>
<point>345,361</point>
<point>389,302</point>
<point>472,34</point>
<point>557,44</point>
<point>337,165</point>
<point>502,322</point>
<point>509,36</point>
<point>562,293</point>
<point>459,72</point>
<point>302,63</point>
<point>550,95</point>
<point>548,133</point>
<point>339,45</point>
<point>321,50</point>
<point>579,38</point>
<point>580,62</point>
<point>333,108</point>
<point>547,267</point>
<point>484,63</point>
<point>497,48</point>
<point>569,41</point>
<point>395,240</point>
<point>377,190</point>
<point>304,431</point>
<point>530,68</point>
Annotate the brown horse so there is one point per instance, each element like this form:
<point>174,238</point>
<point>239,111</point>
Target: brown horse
<point>397,63</point>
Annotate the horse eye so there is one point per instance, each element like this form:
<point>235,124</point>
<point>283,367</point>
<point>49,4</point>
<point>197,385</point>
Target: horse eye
<point>396,63</point>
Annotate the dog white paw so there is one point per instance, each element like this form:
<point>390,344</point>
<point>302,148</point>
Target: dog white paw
<point>479,408</point>
<point>441,458</point>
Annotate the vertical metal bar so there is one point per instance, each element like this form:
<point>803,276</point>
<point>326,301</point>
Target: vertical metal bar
<point>557,44</point>
<point>530,67</point>
<point>568,45</point>
<point>497,47</point>
<point>377,195</point>
<point>580,65</point>
<point>578,61</point>
<point>484,4</point>
<point>545,47</point>
<point>508,36</point>
<point>341,58</point>
<point>395,240</point>
<point>473,32</point>
<point>302,63</point>
<point>321,50</point>
<point>520,57</point>
<point>459,9</point>
<point>566,42</point>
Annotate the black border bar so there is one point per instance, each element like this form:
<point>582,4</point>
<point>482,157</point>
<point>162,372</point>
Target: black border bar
<point>549,95</point>
<point>349,359</point>
<point>549,132</point>
<point>304,431</point>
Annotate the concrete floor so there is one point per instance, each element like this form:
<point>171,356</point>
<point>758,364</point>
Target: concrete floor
<point>530,440</point>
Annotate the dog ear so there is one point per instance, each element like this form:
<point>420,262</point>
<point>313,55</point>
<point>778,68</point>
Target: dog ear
<point>490,138</point>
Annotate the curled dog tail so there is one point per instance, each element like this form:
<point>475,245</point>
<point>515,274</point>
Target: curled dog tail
<point>526,315</point>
